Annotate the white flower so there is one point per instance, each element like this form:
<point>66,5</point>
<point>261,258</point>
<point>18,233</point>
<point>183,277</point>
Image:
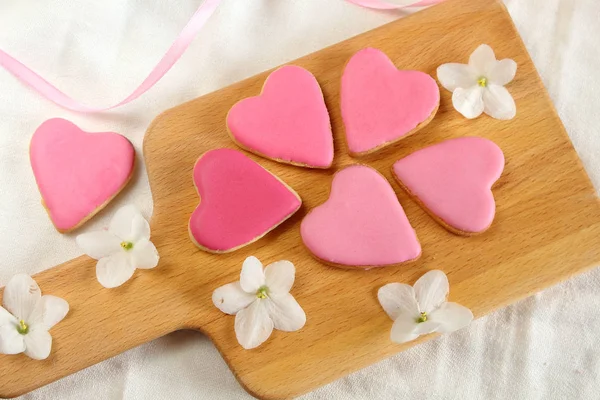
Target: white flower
<point>422,308</point>
<point>479,86</point>
<point>121,248</point>
<point>26,318</point>
<point>261,301</point>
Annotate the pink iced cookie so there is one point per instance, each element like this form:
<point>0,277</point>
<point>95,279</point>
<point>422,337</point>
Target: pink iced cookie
<point>288,122</point>
<point>77,172</point>
<point>240,201</point>
<point>380,104</point>
<point>452,180</point>
<point>361,225</point>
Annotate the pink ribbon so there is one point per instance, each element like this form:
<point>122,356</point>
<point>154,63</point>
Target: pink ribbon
<point>176,50</point>
<point>179,46</point>
<point>385,5</point>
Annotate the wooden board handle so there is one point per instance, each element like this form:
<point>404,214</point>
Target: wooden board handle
<point>102,322</point>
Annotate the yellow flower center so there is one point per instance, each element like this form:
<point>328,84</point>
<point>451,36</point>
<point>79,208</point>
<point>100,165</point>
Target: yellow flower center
<point>127,245</point>
<point>483,82</point>
<point>23,328</point>
<point>422,318</point>
<point>262,292</point>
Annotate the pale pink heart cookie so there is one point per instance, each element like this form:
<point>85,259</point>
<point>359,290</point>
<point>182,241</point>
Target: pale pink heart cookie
<point>240,201</point>
<point>361,225</point>
<point>452,180</point>
<point>288,122</point>
<point>381,104</point>
<point>78,172</point>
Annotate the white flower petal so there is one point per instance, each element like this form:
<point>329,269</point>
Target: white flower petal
<point>6,317</point>
<point>98,244</point>
<point>499,103</point>
<point>49,311</point>
<point>252,276</point>
<point>426,327</point>
<point>469,101</point>
<point>502,72</point>
<point>482,59</point>
<point>398,298</point>
<point>451,317</point>
<point>431,290</point>
<point>21,295</point>
<point>403,329</point>
<point>279,277</point>
<point>253,325</point>
<point>126,224</point>
<point>140,229</point>
<point>11,341</point>
<point>38,343</point>
<point>453,76</point>
<point>144,254</point>
<point>231,298</point>
<point>115,270</point>
<point>286,313</point>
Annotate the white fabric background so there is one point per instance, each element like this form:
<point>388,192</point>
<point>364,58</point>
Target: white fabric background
<point>545,347</point>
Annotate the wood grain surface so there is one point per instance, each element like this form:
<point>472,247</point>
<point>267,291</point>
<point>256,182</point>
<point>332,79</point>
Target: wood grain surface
<point>547,226</point>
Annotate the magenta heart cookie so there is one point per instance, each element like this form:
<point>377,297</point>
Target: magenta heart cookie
<point>361,225</point>
<point>240,201</point>
<point>381,104</point>
<point>77,172</point>
<point>288,122</point>
<point>452,180</point>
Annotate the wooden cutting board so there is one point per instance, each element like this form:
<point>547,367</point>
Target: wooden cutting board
<point>547,226</point>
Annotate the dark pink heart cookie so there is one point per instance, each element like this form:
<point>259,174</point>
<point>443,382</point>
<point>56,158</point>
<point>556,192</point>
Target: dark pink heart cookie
<point>240,201</point>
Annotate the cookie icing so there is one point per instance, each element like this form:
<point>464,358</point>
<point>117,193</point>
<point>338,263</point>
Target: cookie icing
<point>287,122</point>
<point>381,104</point>
<point>362,224</point>
<point>77,172</point>
<point>453,181</point>
<point>240,201</point>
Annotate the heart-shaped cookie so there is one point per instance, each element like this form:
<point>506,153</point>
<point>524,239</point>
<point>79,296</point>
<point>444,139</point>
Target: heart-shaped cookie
<point>240,201</point>
<point>77,172</point>
<point>361,225</point>
<point>288,122</point>
<point>452,180</point>
<point>381,104</point>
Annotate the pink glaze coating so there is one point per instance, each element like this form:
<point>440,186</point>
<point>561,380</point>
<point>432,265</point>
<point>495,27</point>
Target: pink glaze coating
<point>381,104</point>
<point>453,179</point>
<point>288,121</point>
<point>362,224</point>
<point>240,201</point>
<point>78,172</point>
